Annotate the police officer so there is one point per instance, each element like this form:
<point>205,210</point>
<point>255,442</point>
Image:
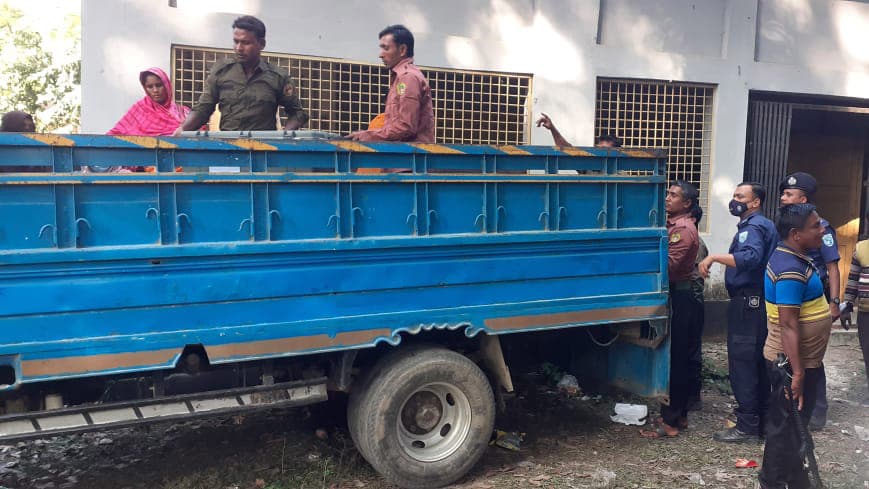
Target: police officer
<point>248,89</point>
<point>754,242</point>
<point>800,188</point>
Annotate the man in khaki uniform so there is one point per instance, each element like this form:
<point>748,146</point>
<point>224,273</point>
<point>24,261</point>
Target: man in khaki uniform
<point>247,89</point>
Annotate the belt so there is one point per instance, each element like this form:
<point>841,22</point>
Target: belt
<point>745,292</point>
<point>682,285</point>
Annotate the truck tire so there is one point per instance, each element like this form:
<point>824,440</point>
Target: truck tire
<point>358,399</point>
<point>422,417</point>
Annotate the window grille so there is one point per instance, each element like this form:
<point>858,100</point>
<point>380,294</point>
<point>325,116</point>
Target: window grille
<point>675,116</point>
<point>340,96</point>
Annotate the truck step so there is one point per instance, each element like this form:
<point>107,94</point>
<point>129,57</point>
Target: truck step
<point>41,424</point>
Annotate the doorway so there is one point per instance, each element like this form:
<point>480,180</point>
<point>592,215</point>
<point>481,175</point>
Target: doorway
<point>826,137</point>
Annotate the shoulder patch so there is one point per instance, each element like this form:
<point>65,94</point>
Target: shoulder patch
<point>401,88</point>
<point>828,240</point>
<point>743,236</point>
<point>675,237</point>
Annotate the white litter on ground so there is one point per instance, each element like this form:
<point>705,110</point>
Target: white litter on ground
<point>630,414</point>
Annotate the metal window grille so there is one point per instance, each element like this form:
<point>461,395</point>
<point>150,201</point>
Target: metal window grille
<point>340,96</point>
<point>656,114</point>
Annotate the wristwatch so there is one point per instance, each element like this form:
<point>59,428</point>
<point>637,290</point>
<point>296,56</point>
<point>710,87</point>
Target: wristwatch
<point>836,301</point>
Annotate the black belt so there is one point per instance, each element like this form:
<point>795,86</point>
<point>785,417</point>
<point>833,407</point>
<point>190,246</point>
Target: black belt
<point>745,292</point>
<point>682,285</point>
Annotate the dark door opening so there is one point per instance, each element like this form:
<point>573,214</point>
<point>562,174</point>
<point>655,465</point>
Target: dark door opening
<point>828,138</point>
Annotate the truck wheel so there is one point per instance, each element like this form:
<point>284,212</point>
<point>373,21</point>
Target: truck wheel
<point>422,417</point>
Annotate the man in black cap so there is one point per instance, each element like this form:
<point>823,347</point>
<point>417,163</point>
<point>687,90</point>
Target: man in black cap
<point>800,188</point>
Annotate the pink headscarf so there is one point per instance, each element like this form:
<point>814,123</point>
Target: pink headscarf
<point>148,118</point>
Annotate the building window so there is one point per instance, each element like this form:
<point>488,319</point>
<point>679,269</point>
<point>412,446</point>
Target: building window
<point>655,114</point>
<point>471,107</point>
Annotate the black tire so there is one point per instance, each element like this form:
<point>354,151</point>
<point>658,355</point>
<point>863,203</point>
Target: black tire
<point>427,376</point>
<point>359,389</point>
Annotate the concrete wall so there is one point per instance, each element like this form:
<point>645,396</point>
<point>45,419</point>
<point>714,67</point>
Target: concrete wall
<point>801,46</point>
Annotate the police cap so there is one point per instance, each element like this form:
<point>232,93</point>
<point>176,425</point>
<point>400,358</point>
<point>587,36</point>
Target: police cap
<point>800,181</point>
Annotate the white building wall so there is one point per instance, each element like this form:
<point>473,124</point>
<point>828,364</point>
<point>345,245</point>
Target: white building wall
<point>801,46</point>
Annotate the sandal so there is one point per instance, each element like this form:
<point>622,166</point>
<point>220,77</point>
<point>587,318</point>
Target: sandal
<point>683,423</point>
<point>658,432</point>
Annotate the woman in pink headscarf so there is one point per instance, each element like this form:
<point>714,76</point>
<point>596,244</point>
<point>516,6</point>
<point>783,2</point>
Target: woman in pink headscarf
<point>156,114</point>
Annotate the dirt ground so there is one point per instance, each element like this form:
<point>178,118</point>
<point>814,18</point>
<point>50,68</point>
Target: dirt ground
<point>569,443</point>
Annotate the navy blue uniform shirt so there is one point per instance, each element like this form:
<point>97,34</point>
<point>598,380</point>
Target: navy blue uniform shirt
<point>828,252</point>
<point>755,240</point>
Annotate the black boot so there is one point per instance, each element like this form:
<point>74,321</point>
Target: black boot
<point>734,435</point>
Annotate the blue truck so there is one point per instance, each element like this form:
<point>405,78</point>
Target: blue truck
<point>258,270</point>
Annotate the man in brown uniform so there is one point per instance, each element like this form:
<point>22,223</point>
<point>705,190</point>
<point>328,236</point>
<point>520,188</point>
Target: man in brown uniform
<point>409,114</point>
<point>247,88</point>
<point>686,310</point>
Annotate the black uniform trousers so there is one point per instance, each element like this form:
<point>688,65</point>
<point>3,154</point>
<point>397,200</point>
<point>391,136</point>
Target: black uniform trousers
<point>697,359</point>
<point>782,464</point>
<point>746,335</point>
<point>686,330</point>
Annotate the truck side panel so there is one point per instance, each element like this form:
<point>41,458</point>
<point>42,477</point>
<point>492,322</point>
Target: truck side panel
<point>300,252</point>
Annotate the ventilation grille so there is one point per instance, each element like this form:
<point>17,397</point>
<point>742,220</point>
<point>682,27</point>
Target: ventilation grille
<point>471,107</point>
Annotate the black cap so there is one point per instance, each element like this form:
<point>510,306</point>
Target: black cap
<point>800,181</point>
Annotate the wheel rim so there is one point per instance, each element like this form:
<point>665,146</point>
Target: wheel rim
<point>434,422</point>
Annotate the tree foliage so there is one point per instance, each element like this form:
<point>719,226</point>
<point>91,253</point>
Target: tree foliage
<point>33,80</point>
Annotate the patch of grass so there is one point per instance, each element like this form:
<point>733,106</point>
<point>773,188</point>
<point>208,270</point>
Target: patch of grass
<point>292,461</point>
<point>716,376</point>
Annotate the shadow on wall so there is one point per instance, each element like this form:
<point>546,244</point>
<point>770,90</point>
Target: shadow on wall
<point>521,37</point>
<point>550,39</point>
<point>829,39</point>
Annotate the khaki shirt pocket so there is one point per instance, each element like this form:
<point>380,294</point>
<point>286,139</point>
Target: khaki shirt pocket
<point>230,95</point>
<point>264,95</point>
